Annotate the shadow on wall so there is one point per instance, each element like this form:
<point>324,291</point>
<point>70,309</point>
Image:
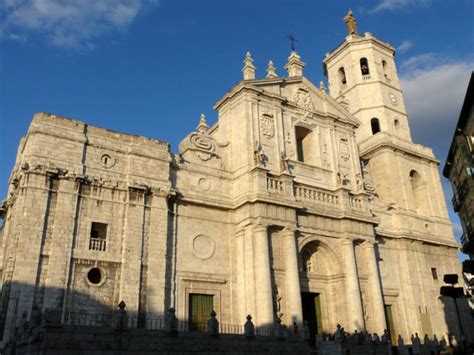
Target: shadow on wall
<point>458,314</point>
<point>106,328</point>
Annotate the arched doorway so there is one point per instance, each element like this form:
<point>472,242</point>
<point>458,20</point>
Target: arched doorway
<point>321,280</point>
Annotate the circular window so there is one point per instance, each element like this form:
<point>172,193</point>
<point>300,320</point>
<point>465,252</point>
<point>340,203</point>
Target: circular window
<point>107,161</point>
<point>94,276</point>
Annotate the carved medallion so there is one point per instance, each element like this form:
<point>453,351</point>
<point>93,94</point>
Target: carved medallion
<point>203,246</point>
<point>267,125</point>
<point>204,184</point>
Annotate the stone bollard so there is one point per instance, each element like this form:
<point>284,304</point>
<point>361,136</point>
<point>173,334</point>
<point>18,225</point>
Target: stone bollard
<point>122,323</point>
<point>213,325</point>
<point>249,328</point>
<point>171,322</point>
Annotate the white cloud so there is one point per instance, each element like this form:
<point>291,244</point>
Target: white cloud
<point>434,89</point>
<point>404,46</point>
<point>16,37</point>
<point>69,23</point>
<point>399,4</point>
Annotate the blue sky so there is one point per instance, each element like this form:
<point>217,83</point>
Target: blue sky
<point>151,67</point>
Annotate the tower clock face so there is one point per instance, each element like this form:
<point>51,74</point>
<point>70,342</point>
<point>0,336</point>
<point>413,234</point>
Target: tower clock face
<point>393,98</point>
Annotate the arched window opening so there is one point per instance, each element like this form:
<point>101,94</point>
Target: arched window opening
<point>304,144</point>
<point>375,124</point>
<point>364,66</point>
<point>384,69</point>
<point>306,259</point>
<point>342,75</point>
<point>418,191</point>
<point>396,123</point>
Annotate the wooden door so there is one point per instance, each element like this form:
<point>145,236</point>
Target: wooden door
<point>200,307</point>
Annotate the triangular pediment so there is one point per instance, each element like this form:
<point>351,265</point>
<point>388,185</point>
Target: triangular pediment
<point>307,98</point>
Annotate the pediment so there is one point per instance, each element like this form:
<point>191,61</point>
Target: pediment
<point>312,100</point>
<point>299,93</point>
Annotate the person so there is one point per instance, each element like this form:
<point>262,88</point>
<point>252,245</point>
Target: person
<point>295,328</point>
<point>416,344</point>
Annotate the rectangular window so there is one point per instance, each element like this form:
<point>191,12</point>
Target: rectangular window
<point>434,273</point>
<point>98,236</point>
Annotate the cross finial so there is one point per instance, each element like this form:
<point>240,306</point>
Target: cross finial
<point>293,40</point>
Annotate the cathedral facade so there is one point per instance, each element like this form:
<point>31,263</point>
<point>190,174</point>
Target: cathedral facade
<point>299,203</point>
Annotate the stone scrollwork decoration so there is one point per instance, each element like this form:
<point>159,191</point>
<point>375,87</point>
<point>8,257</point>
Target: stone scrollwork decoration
<point>267,125</point>
<point>369,186</point>
<point>205,146</point>
<point>201,144</point>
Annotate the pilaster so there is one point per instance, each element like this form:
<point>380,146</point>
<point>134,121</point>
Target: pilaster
<point>263,289</point>
<point>377,303</point>
<point>293,290</point>
<point>354,304</point>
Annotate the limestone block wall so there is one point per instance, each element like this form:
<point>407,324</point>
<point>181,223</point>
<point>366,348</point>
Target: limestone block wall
<point>203,258</point>
<point>97,176</point>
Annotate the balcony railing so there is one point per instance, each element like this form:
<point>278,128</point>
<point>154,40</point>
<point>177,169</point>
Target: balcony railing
<point>274,185</point>
<point>355,202</point>
<point>97,244</point>
<point>341,199</point>
<point>311,194</point>
<point>366,77</point>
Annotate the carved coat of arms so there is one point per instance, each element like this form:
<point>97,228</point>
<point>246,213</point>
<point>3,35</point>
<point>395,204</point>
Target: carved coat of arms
<point>344,149</point>
<point>267,125</point>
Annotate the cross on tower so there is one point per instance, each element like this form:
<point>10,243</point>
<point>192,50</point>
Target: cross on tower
<point>292,39</point>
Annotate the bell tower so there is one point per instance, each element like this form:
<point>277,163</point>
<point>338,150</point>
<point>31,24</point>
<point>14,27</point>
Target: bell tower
<point>363,77</point>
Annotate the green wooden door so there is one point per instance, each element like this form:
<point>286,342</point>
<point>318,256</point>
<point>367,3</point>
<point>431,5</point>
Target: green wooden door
<point>391,324</point>
<point>200,307</point>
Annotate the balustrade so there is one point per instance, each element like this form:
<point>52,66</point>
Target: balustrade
<point>97,244</point>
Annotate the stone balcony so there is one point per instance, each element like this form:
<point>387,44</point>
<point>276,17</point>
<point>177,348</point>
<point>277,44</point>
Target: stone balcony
<point>341,200</point>
<point>97,244</point>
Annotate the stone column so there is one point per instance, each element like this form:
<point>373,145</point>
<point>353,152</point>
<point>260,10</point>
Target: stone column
<point>354,304</point>
<point>378,309</point>
<point>293,290</point>
<point>263,287</point>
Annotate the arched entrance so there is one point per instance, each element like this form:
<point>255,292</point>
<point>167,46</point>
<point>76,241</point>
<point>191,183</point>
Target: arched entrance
<point>322,283</point>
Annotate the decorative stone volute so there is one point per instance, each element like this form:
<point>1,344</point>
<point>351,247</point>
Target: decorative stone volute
<point>249,68</point>
<point>271,71</point>
<point>295,65</point>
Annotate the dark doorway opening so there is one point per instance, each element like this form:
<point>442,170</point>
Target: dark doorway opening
<point>200,307</point>
<point>311,303</point>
